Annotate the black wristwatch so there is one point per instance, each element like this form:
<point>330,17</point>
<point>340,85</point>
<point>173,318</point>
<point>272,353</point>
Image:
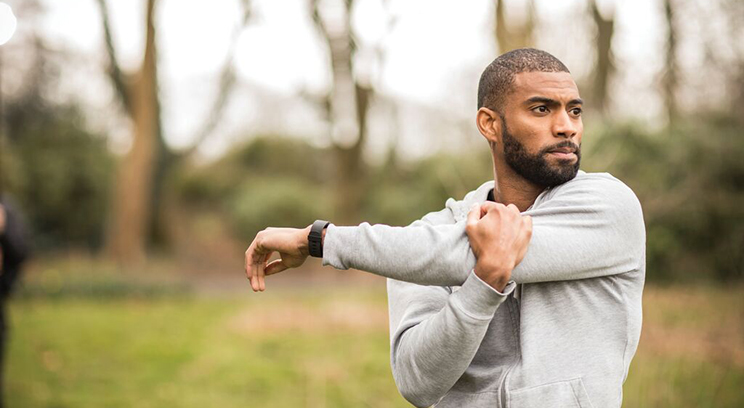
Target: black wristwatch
<point>315,238</point>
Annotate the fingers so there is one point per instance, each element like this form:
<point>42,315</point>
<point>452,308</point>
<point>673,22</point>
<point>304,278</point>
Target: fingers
<point>255,264</point>
<point>525,232</point>
<point>281,240</point>
<point>261,282</point>
<point>524,237</point>
<point>275,266</point>
<point>254,261</point>
<point>489,206</point>
<point>474,215</point>
<point>250,265</point>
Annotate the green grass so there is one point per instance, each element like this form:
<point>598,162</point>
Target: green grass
<point>312,348</point>
<point>196,352</point>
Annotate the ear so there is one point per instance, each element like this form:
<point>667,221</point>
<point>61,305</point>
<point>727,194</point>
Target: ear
<point>489,125</point>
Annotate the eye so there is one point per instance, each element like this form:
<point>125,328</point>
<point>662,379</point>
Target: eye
<point>540,109</point>
<point>576,111</point>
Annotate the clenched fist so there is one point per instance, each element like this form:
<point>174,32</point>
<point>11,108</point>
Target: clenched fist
<point>499,236</point>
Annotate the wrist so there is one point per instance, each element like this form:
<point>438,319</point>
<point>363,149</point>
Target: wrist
<point>315,238</point>
<point>497,276</point>
<point>302,242</point>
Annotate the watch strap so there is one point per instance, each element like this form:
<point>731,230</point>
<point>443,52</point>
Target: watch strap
<point>315,238</point>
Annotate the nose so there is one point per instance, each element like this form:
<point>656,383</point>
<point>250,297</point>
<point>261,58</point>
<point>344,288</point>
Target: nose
<point>564,126</point>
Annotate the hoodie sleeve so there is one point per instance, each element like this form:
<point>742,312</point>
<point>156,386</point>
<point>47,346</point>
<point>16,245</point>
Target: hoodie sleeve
<point>421,253</point>
<point>589,227</point>
<point>435,333</point>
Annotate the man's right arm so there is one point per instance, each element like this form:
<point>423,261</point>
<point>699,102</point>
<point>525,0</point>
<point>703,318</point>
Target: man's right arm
<point>589,228</point>
<point>435,334</point>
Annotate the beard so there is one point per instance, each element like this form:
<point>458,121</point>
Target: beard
<point>536,168</point>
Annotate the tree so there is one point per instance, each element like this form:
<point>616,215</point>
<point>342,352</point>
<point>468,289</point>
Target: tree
<point>57,169</point>
<point>604,65</point>
<point>515,35</point>
<point>669,79</point>
<point>346,106</point>
<point>143,170</point>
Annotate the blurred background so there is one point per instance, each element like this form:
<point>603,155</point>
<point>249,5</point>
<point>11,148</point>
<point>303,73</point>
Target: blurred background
<point>146,142</point>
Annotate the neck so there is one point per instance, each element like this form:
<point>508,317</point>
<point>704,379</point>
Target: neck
<point>511,188</point>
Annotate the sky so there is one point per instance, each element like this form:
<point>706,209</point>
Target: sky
<point>433,54</point>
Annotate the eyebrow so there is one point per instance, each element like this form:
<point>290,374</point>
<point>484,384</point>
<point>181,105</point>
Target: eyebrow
<point>553,102</point>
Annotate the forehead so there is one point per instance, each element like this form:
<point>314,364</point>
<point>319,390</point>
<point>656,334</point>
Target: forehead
<point>555,85</point>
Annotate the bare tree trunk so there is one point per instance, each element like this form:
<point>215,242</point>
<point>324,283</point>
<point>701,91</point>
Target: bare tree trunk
<point>519,34</point>
<point>669,79</point>
<point>604,66</point>
<point>139,195</point>
<point>133,191</point>
<point>350,170</point>
<point>348,106</point>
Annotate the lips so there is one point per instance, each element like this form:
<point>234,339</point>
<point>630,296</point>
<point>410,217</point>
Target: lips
<point>564,150</point>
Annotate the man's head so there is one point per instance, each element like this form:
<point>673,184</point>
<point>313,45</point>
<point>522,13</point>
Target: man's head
<point>529,110</point>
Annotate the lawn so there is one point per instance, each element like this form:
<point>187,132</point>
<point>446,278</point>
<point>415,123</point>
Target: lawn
<point>312,347</point>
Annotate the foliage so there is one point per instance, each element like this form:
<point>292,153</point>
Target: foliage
<point>276,202</point>
<point>402,193</point>
<point>277,181</point>
<point>271,181</point>
<point>60,173</point>
<point>690,181</point>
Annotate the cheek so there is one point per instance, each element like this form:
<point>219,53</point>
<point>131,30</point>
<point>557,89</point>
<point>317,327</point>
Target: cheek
<point>531,132</point>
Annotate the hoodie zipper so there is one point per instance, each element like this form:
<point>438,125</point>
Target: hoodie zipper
<point>503,386</point>
<point>519,356</point>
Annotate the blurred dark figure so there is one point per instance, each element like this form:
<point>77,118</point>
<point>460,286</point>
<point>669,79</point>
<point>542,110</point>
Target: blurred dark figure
<point>13,252</point>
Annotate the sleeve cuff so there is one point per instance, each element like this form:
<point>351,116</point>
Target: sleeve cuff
<point>330,245</point>
<point>478,299</point>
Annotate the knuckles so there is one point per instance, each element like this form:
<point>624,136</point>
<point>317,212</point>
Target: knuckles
<point>260,239</point>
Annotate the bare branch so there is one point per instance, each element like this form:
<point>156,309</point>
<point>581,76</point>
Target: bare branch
<point>604,64</point>
<point>225,87</point>
<point>114,69</point>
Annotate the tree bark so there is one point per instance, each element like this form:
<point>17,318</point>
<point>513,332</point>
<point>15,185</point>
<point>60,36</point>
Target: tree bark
<point>604,66</point>
<point>519,34</point>
<point>137,217</point>
<point>669,78</point>
<point>347,111</point>
<point>133,191</point>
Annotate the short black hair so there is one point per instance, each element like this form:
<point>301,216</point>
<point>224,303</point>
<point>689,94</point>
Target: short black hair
<point>497,79</point>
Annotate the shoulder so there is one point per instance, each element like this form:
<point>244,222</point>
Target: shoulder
<point>457,210</point>
<point>460,208</point>
<point>601,189</point>
<point>599,182</point>
<point>595,201</point>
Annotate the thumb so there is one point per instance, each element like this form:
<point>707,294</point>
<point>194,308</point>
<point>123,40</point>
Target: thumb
<point>275,266</point>
<point>474,214</point>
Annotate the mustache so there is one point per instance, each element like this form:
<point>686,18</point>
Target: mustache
<point>564,144</point>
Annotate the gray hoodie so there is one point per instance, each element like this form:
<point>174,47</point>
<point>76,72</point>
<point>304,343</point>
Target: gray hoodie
<point>564,338</point>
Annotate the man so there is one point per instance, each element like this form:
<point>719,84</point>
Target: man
<point>13,252</point>
<point>495,326</point>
